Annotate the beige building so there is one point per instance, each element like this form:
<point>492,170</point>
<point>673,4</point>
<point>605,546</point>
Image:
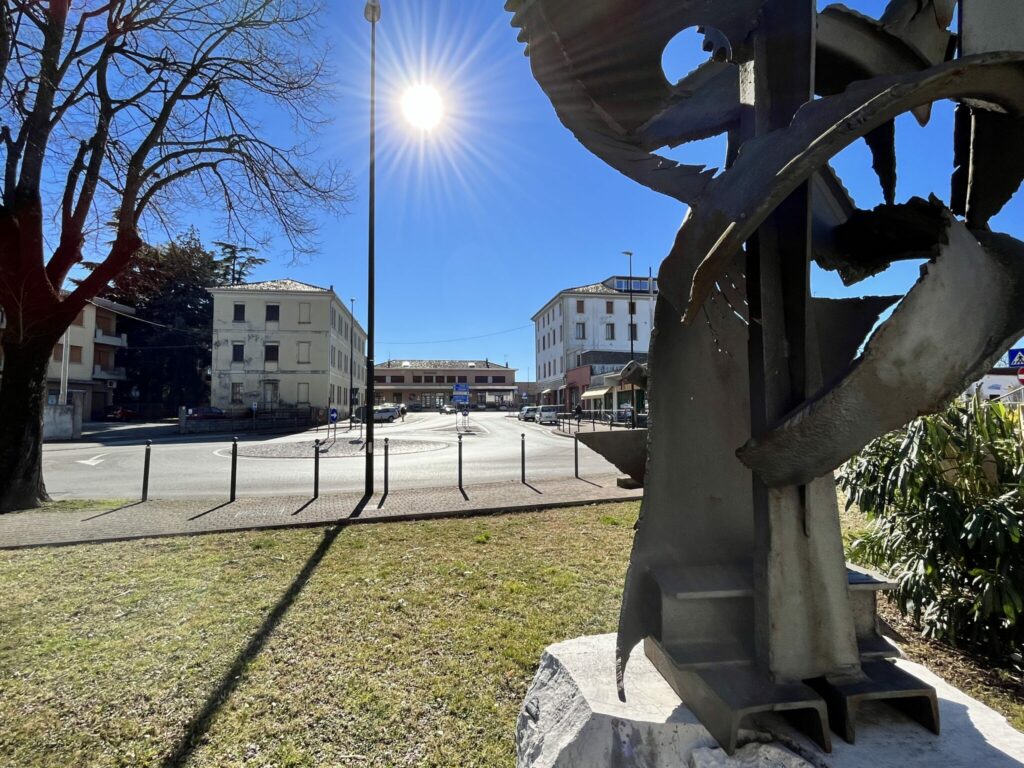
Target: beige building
<point>430,384</point>
<point>93,341</point>
<point>284,344</point>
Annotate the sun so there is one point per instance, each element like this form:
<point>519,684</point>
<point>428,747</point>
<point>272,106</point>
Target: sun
<point>422,106</point>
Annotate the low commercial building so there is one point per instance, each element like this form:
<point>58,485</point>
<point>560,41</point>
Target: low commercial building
<point>284,344</point>
<point>432,383</point>
<point>90,364</point>
<point>597,384</point>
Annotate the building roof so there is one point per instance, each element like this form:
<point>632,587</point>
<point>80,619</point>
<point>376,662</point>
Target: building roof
<point>442,364</point>
<point>606,287</point>
<point>283,284</point>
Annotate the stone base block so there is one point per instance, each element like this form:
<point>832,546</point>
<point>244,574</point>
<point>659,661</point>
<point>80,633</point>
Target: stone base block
<point>572,718</point>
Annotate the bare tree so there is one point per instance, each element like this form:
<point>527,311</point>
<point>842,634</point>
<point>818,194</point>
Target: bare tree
<point>123,114</point>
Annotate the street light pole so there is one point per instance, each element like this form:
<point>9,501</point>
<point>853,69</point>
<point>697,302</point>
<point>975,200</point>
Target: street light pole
<point>351,354</point>
<point>372,14</point>
<point>629,330</point>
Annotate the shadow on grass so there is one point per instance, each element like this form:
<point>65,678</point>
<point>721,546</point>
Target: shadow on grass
<point>197,728</point>
<point>115,509</point>
<point>211,509</point>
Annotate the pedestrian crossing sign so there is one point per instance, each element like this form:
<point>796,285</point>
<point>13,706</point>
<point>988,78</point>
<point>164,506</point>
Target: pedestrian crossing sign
<point>1016,357</point>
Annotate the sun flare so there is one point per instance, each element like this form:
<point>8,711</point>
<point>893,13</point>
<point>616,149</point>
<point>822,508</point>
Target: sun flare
<point>422,106</point>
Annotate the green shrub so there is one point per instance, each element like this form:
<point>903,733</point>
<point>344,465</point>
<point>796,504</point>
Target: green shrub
<point>944,498</point>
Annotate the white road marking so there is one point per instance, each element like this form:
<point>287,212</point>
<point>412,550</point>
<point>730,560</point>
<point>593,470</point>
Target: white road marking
<point>97,459</point>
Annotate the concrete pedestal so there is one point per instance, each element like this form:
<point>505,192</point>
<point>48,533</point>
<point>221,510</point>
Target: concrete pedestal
<point>572,718</point>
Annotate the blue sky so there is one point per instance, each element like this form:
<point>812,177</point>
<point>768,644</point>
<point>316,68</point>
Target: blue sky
<point>480,222</point>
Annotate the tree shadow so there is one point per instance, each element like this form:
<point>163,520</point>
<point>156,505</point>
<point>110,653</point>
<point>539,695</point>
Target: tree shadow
<point>115,509</point>
<point>211,509</point>
<point>200,723</point>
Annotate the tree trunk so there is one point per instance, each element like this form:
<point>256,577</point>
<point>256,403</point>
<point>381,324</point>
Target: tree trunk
<point>22,392</point>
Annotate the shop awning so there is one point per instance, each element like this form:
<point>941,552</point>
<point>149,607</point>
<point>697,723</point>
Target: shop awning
<point>546,392</point>
<point>595,393</point>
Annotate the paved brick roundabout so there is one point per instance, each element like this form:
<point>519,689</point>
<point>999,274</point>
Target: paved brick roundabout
<point>334,449</point>
<point>205,515</point>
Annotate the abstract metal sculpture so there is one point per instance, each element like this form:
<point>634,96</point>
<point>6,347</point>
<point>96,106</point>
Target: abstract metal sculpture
<point>737,582</point>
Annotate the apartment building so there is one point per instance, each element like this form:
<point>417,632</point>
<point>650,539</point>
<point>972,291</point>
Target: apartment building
<point>284,343</point>
<point>90,364</point>
<point>590,318</point>
<point>431,383</point>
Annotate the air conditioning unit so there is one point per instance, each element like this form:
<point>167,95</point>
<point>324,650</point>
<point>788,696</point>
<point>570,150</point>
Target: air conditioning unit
<point>111,384</point>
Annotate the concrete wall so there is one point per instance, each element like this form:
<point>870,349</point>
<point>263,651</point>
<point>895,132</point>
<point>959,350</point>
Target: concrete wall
<point>63,422</point>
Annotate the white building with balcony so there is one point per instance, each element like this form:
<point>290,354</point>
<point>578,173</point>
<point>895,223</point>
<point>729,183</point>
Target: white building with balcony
<point>90,364</point>
<point>595,317</point>
<point>284,344</point>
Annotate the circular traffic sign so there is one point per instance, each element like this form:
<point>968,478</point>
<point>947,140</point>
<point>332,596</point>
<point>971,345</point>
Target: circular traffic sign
<point>1020,375</point>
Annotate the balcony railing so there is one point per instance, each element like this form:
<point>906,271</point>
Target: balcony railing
<point>111,340</point>
<point>109,374</point>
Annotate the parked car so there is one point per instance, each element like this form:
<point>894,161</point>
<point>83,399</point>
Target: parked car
<point>206,412</point>
<point>546,414</point>
<point>121,413</point>
<point>527,413</point>
<point>448,408</point>
<point>416,407</point>
<point>386,413</point>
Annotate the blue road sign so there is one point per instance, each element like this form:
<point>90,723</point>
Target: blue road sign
<point>462,387</point>
<point>461,398</point>
<point>1016,357</point>
<point>334,414</point>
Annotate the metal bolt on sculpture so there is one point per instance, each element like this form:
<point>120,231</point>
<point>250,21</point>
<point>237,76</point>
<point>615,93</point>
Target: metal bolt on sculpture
<point>737,582</point>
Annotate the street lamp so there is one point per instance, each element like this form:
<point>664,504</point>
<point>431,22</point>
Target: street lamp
<point>629,330</point>
<point>351,355</point>
<point>372,14</point>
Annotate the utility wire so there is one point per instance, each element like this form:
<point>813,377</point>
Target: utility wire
<point>451,341</point>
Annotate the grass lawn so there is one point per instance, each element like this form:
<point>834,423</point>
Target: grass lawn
<point>382,645</point>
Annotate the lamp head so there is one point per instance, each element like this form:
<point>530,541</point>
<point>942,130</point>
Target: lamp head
<point>372,11</point>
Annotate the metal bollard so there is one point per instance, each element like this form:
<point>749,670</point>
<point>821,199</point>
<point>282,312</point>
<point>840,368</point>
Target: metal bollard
<point>522,436</point>
<point>460,462</point>
<point>386,466</point>
<point>145,472</point>
<point>316,469</point>
<point>234,465</point>
<point>576,454</point>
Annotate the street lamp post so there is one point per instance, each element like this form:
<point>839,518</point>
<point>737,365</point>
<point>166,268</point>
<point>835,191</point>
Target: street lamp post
<point>351,354</point>
<point>372,14</point>
<point>629,330</point>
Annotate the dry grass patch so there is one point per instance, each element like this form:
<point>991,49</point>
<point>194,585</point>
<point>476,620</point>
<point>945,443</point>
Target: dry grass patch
<point>410,644</point>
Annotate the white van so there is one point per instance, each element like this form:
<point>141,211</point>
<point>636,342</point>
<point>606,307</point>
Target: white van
<point>547,414</point>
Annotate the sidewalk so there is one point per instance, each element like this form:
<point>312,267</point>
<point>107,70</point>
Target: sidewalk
<point>206,515</point>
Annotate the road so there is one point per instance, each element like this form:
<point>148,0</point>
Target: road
<point>108,463</point>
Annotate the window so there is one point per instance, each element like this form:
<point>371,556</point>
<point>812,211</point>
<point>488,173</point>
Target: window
<point>579,360</point>
<point>270,353</point>
<point>239,313</point>
<point>304,313</point>
<point>75,354</point>
<point>428,379</point>
<point>581,330</point>
<point>417,379</point>
<point>559,334</point>
<point>632,307</point>
<point>609,307</point>
<point>58,352</point>
<point>609,332</point>
<point>451,379</point>
<point>620,285</point>
<point>236,393</point>
<point>497,379</point>
<point>579,306</point>
<point>380,379</point>
<point>544,342</point>
<point>302,395</point>
<point>480,379</point>
<point>632,331</point>
<point>462,379</point>
<point>398,379</point>
<point>303,352</point>
<point>238,353</point>
<point>273,313</point>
